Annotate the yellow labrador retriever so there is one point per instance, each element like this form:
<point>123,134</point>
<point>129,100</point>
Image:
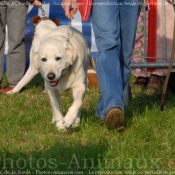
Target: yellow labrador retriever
<point>63,61</point>
<point>61,54</point>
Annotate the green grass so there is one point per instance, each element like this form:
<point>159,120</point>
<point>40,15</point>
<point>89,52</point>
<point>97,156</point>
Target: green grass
<point>30,143</point>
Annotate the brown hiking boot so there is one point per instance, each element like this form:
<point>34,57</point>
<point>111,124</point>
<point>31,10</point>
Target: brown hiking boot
<point>115,119</point>
<point>141,81</point>
<point>139,85</point>
<point>155,82</point>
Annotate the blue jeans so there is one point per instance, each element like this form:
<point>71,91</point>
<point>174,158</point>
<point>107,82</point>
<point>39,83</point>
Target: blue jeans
<point>114,24</point>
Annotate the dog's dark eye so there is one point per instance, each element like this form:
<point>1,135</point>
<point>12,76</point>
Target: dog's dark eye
<point>57,58</point>
<point>44,59</point>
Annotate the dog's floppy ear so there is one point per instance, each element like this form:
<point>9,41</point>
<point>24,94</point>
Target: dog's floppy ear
<point>36,49</point>
<point>73,56</point>
<point>36,56</point>
<point>35,19</point>
<point>56,21</point>
<point>71,51</point>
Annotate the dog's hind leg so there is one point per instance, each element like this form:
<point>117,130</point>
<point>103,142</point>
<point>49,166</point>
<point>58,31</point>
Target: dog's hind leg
<point>55,104</point>
<point>31,72</point>
<point>73,114</point>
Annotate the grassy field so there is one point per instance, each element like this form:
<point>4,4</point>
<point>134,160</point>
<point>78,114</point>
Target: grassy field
<point>31,144</point>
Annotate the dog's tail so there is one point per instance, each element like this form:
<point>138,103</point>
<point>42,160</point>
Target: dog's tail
<point>92,76</point>
<point>92,62</point>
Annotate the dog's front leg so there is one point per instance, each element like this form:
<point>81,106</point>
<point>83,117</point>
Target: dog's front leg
<point>73,115</point>
<point>55,104</point>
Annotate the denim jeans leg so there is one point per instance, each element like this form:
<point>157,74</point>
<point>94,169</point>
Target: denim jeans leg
<point>127,95</point>
<point>114,27</point>
<point>129,13</point>
<point>107,36</point>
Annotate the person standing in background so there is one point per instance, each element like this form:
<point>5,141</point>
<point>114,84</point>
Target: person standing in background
<point>114,24</point>
<point>150,82</point>
<point>14,14</point>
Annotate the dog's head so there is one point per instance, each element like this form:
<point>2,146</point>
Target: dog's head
<point>37,19</point>
<point>56,56</point>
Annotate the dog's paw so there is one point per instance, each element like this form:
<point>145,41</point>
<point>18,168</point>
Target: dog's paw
<point>62,129</point>
<point>60,126</point>
<point>53,120</point>
<point>76,123</point>
<point>11,92</point>
<point>68,121</point>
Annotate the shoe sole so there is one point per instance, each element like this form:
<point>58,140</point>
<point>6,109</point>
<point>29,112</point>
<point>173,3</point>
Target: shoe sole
<point>5,90</point>
<point>115,119</point>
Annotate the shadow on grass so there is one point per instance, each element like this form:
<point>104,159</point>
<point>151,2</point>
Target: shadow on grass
<point>142,102</point>
<point>37,81</point>
<point>66,155</point>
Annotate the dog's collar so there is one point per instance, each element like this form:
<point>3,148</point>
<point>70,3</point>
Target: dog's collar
<point>69,34</point>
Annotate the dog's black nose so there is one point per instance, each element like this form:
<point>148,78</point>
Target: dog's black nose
<point>51,76</point>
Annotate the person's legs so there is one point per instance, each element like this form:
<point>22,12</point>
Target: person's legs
<point>114,27</point>
<point>16,21</point>
<point>2,39</point>
<point>106,25</point>
<point>129,13</point>
<point>127,94</point>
